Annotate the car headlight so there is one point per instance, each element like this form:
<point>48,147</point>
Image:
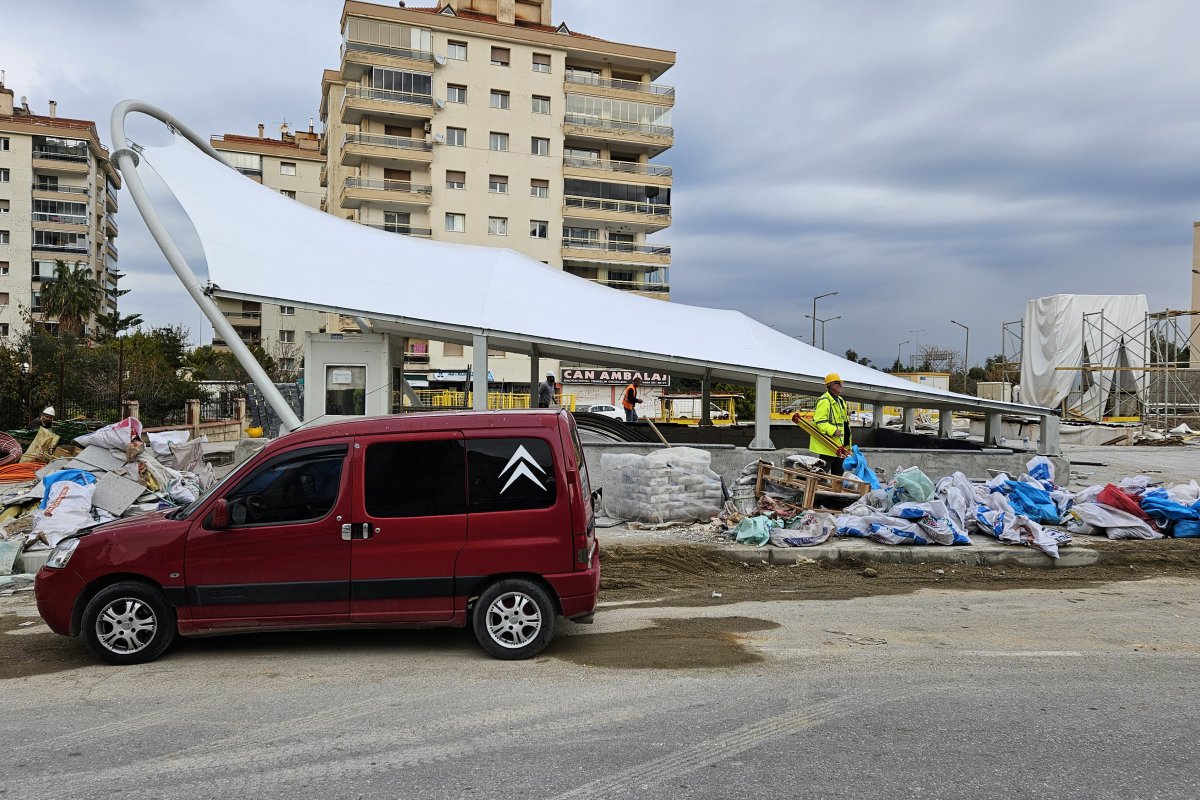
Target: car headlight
<point>62,553</point>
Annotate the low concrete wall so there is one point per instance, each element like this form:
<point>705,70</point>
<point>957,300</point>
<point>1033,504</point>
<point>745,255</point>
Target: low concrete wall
<point>228,430</point>
<point>728,461</point>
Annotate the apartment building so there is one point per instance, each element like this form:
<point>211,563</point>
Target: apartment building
<point>291,165</point>
<point>58,201</point>
<point>482,122</point>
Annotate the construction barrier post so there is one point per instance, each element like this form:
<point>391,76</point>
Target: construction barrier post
<point>762,415</point>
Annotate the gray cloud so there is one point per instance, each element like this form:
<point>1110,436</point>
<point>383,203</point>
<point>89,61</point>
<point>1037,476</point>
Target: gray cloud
<point>926,160</point>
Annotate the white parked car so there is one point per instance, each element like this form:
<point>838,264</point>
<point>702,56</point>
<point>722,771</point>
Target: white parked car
<point>606,411</point>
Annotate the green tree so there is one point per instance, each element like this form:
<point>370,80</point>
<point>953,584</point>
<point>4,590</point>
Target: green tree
<point>113,324</point>
<point>852,355</point>
<point>73,297</point>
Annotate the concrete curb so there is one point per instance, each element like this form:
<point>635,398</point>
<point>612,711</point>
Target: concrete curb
<point>991,554</point>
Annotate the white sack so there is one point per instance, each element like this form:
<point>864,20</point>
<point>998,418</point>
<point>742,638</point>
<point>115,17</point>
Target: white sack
<point>1115,523</point>
<point>113,437</point>
<point>68,508</point>
<point>161,443</point>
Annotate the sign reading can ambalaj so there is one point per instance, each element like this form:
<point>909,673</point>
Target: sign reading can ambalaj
<point>615,376</point>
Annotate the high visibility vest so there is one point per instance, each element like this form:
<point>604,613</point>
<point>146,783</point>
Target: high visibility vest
<point>630,391</point>
<point>830,418</point>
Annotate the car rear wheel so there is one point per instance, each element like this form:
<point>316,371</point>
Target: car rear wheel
<point>128,623</point>
<point>514,619</point>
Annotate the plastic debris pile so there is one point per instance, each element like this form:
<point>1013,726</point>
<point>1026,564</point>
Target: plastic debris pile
<point>117,471</point>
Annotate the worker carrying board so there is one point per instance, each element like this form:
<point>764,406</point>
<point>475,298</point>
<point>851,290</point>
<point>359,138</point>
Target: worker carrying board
<point>833,421</point>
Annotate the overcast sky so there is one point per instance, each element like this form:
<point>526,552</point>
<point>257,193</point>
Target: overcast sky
<point>926,160</point>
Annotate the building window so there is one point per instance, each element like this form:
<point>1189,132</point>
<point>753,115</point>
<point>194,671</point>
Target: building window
<point>3,329</point>
<point>456,93</point>
<point>4,237</point>
<point>4,206</point>
<point>456,50</point>
<point>3,267</point>
<point>288,193</point>
<point>539,146</point>
<point>541,105</point>
<point>452,350</point>
<point>3,176</point>
<point>287,167</point>
<point>541,62</point>
<point>539,228</point>
<point>456,137</point>
<point>497,226</point>
<point>498,141</point>
<point>287,364</point>
<point>500,56</point>
<point>499,99</point>
<point>397,221</point>
<point>456,223</point>
<point>287,337</point>
<point>456,180</point>
<point>498,184</point>
<point>539,188</point>
<point>287,311</point>
<point>4,144</point>
<point>3,299</point>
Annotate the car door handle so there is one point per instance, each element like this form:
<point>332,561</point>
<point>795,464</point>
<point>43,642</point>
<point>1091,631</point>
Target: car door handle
<point>346,534</point>
<point>366,530</point>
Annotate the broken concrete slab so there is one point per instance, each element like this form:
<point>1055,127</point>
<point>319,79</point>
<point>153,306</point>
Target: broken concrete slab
<point>54,466</point>
<point>115,494</point>
<point>100,457</point>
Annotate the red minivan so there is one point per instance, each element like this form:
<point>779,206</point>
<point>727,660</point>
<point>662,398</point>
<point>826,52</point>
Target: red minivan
<point>419,520</point>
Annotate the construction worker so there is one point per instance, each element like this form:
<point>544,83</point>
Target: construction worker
<point>546,391</point>
<point>43,420</point>
<point>629,399</point>
<point>832,419</point>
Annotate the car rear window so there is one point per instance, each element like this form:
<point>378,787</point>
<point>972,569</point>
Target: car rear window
<point>510,474</point>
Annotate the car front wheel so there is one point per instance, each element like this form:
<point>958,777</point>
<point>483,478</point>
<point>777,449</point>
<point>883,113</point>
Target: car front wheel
<point>128,623</point>
<point>514,619</point>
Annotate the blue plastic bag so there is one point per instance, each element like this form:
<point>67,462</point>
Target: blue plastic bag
<point>857,465</point>
<point>73,475</point>
<point>1032,501</point>
<point>1158,506</point>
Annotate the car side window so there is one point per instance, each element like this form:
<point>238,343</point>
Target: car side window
<point>510,474</point>
<point>297,487</point>
<point>415,478</point>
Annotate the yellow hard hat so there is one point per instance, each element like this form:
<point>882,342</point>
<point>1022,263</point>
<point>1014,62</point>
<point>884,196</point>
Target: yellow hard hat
<point>832,377</point>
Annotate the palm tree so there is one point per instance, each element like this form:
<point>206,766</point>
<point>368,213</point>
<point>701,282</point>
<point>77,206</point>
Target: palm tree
<point>73,297</point>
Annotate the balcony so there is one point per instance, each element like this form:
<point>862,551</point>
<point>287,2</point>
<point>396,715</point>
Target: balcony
<point>659,291</point>
<point>252,319</point>
<point>616,253</point>
<point>52,191</point>
<point>359,57</point>
<point>110,199</point>
<point>61,162</point>
<point>111,248</point>
<point>61,245</point>
<point>384,193</point>
<point>110,224</point>
<point>359,102</point>
<point>620,89</point>
<point>75,223</point>
<point>646,217</point>
<point>403,230</point>
<point>360,147</point>
<point>652,139</point>
<point>648,174</point>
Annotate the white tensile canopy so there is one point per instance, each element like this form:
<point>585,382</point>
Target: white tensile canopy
<point>261,246</point>
<point>1065,332</point>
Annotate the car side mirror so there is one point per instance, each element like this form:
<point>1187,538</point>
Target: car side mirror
<point>219,520</point>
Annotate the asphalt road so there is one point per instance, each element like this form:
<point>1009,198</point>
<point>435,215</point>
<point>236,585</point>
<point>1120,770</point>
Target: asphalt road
<point>1023,693</point>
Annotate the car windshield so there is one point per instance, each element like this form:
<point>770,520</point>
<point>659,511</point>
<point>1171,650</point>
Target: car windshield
<point>186,511</point>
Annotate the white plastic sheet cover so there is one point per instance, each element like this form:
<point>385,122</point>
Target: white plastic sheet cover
<point>1054,336</point>
<point>261,244</point>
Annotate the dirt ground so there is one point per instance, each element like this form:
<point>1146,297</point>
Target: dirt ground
<point>689,574</point>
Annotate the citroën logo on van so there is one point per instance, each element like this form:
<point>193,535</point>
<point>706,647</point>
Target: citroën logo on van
<point>522,461</point>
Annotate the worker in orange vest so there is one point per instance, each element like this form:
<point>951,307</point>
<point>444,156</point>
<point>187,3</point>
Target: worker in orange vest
<point>629,399</point>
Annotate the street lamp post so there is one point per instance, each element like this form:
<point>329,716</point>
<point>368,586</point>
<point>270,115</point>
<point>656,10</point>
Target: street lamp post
<point>917,344</point>
<point>814,316</point>
<point>822,321</point>
<point>966,354</point>
<point>906,341</point>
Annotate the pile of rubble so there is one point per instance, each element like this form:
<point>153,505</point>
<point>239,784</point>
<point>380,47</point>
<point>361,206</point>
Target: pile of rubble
<point>118,471</point>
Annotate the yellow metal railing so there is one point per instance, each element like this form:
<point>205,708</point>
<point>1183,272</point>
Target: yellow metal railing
<point>496,401</point>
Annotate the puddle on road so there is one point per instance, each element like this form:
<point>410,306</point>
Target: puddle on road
<point>24,653</point>
<point>710,643</point>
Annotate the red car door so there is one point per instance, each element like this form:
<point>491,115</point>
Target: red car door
<point>283,559</point>
<point>409,524</point>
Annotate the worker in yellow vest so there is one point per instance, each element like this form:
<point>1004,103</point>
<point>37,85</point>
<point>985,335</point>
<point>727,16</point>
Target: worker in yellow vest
<point>832,419</point>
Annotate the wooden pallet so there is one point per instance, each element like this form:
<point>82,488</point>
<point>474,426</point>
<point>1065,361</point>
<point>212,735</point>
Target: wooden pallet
<point>808,484</point>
